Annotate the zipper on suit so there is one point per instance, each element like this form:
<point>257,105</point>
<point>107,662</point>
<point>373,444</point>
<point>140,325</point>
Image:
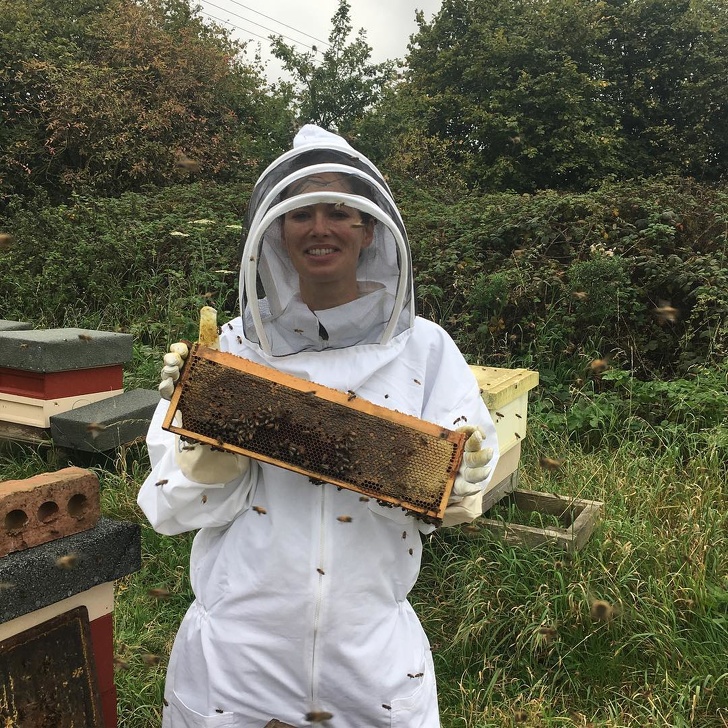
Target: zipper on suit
<point>319,597</point>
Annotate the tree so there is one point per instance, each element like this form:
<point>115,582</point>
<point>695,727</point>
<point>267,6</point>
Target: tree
<point>565,93</point>
<point>336,92</point>
<point>121,92</point>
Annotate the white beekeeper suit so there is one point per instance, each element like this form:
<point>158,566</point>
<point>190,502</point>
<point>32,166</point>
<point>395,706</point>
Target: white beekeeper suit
<point>296,611</point>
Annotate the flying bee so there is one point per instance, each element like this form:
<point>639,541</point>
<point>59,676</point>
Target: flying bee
<point>601,611</point>
<point>260,510</point>
<point>5,585</point>
<point>164,481</point>
<point>67,561</point>
<point>580,295</point>
<point>520,716</point>
<point>150,659</point>
<point>597,366</point>
<point>318,716</point>
<point>182,161</point>
<point>469,528</point>
<point>120,664</point>
<point>665,313</point>
<point>386,707</point>
<point>95,429</point>
<point>24,346</point>
<point>344,519</point>
<point>159,592</point>
<point>85,337</point>
<point>549,463</point>
<point>6,241</point>
<point>547,634</point>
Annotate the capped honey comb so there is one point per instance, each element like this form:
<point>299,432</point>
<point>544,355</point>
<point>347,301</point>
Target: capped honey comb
<point>246,408</point>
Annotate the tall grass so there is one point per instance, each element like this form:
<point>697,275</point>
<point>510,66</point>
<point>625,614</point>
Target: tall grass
<point>516,633</point>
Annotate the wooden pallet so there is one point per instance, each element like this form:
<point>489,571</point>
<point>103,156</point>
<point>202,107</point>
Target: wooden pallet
<point>577,516</point>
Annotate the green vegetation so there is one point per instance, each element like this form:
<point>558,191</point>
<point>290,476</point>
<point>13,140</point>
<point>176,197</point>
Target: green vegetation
<point>559,165</point>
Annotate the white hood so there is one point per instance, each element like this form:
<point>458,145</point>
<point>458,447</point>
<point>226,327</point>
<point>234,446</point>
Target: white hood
<point>274,316</point>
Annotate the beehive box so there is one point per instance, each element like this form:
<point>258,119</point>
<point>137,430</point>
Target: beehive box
<point>242,407</point>
<point>505,393</point>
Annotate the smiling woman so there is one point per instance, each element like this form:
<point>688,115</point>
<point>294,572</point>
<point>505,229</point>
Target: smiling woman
<point>324,242</point>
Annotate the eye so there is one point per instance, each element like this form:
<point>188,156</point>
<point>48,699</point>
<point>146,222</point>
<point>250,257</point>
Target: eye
<point>300,215</point>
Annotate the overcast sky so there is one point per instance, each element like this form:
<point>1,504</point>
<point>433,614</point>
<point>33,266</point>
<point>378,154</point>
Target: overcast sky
<point>388,23</point>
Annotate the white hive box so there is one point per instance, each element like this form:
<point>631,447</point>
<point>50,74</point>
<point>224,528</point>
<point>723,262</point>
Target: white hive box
<point>505,393</point>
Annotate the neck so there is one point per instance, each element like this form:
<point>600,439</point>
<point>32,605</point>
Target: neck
<point>329,295</point>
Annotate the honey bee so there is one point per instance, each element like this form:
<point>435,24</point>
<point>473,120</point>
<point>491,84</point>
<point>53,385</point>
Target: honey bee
<point>601,611</point>
<point>415,675</point>
<point>520,716</point>
<point>297,331</point>
<point>6,241</point>
<point>321,571</point>
<point>386,396</point>
<point>120,664</point>
<point>351,395</point>
<point>499,414</point>
<point>23,346</point>
<point>519,416</point>
<point>417,381</point>
<point>386,707</point>
<point>204,498</point>
<point>404,534</point>
<point>166,703</point>
<point>164,481</point>
<point>318,716</point>
<point>260,510</point>
<point>159,593</point>
<point>344,519</point>
<point>85,337</point>
<point>518,437</point>
<point>548,634</point>
<point>239,339</point>
<point>150,659</point>
<point>364,499</point>
<point>67,561</point>
<point>549,463</point>
<point>457,420</point>
<point>597,366</point>
<point>410,551</point>
<point>94,429</point>
<point>219,710</point>
<point>665,313</point>
<point>182,161</point>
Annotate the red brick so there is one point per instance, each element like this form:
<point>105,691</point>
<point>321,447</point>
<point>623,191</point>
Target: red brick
<point>46,507</point>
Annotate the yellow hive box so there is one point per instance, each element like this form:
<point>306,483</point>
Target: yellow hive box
<point>505,393</point>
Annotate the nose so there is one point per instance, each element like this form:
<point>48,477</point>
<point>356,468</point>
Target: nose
<point>319,222</point>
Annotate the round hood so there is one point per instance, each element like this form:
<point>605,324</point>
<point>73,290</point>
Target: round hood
<point>323,171</point>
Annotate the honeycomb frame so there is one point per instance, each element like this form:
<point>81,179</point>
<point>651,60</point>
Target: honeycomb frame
<point>239,406</point>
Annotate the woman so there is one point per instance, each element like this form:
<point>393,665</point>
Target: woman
<point>301,615</point>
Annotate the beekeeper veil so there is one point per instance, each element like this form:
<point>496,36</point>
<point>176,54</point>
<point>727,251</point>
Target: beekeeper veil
<point>323,168</point>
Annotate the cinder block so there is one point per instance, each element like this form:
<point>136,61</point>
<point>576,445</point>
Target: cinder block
<point>59,350</point>
<point>31,579</point>
<point>47,507</point>
<point>107,424</point>
<point>51,385</point>
<point>6,325</point>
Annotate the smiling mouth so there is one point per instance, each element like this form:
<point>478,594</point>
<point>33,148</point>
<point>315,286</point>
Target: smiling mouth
<point>321,251</point>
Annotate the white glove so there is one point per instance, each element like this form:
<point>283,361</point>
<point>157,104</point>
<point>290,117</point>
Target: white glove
<point>202,464</point>
<point>173,362</point>
<point>474,468</point>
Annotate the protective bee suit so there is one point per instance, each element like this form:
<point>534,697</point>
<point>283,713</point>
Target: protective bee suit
<point>301,614</point>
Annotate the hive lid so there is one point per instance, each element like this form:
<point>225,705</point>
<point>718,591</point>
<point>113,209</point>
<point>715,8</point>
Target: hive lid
<point>501,386</point>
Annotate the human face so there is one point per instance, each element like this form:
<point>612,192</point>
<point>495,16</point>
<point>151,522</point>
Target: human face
<point>324,242</point>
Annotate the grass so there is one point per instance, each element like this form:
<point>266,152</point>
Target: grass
<point>517,633</point>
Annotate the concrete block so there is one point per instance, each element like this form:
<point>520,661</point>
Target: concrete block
<point>47,507</point>
<point>107,424</point>
<point>38,412</point>
<point>6,325</point>
<point>31,579</point>
<point>59,350</point>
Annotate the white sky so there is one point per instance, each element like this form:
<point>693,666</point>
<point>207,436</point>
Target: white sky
<point>388,23</point>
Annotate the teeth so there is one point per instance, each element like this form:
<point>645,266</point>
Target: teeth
<point>321,251</point>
